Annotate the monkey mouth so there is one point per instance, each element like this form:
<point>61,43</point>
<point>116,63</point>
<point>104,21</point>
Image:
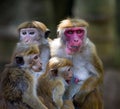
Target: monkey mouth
<point>68,81</point>
<point>73,48</point>
<point>37,69</point>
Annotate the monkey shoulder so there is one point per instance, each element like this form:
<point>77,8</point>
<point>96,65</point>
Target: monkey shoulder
<point>58,82</point>
<point>90,47</point>
<point>50,84</point>
<point>94,54</point>
<point>17,74</point>
<point>46,82</point>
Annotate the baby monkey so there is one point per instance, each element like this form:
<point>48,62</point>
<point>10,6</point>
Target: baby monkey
<point>18,84</point>
<point>53,83</point>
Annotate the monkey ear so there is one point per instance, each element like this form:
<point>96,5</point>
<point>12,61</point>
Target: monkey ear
<point>57,33</point>
<point>19,37</point>
<point>54,72</point>
<point>19,60</point>
<point>47,32</point>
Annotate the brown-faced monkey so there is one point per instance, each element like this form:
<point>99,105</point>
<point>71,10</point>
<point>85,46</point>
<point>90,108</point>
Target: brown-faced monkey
<point>36,32</point>
<point>73,43</point>
<point>52,84</point>
<point>18,84</point>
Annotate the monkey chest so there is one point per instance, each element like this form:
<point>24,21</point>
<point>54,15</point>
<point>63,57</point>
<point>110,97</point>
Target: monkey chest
<point>79,60</point>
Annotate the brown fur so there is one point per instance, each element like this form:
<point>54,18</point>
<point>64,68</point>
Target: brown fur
<point>91,88</point>
<point>54,85</point>
<point>17,85</point>
<point>32,24</point>
<point>42,39</point>
<point>68,104</point>
<point>67,23</point>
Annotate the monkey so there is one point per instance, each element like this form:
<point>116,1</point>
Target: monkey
<point>36,32</point>
<point>18,86</point>
<point>53,83</point>
<point>33,31</point>
<point>73,43</point>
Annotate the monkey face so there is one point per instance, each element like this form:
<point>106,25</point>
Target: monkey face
<point>66,73</point>
<point>36,63</point>
<point>29,35</point>
<point>31,62</point>
<point>74,39</point>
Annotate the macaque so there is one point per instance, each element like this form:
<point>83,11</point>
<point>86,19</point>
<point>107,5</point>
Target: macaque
<point>18,87</point>
<point>36,32</point>
<point>52,84</point>
<point>72,43</point>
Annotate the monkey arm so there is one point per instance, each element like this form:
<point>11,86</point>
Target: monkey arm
<point>97,64</point>
<point>33,101</point>
<point>57,93</point>
<point>30,96</point>
<point>93,82</point>
<point>89,85</point>
<point>95,70</point>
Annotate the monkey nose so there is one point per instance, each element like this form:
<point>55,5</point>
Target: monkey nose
<point>76,80</point>
<point>40,64</point>
<point>76,40</point>
<point>70,75</point>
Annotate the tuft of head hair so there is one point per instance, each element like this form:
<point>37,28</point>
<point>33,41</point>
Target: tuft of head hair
<point>56,62</point>
<point>69,22</point>
<point>27,49</point>
<point>33,24</point>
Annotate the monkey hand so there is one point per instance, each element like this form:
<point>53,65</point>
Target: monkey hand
<point>79,98</point>
<point>68,104</point>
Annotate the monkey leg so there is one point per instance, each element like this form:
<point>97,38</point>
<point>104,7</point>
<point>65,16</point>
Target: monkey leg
<point>92,101</point>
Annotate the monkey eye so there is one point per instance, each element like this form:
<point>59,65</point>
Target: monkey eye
<point>36,57</point>
<point>69,69</point>
<point>19,60</point>
<point>70,32</point>
<point>79,31</point>
<point>31,33</point>
<point>24,33</point>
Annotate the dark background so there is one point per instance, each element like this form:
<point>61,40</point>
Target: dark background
<point>102,15</point>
